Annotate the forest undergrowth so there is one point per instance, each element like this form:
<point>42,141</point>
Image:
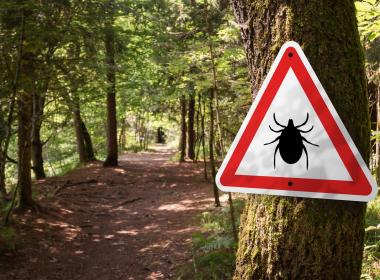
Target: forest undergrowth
<point>214,248</point>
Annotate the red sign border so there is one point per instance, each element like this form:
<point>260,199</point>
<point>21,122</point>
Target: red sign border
<point>359,185</point>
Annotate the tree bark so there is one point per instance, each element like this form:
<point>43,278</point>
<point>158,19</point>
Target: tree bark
<point>377,133</point>
<point>109,42</point>
<point>211,148</point>
<point>299,238</point>
<point>190,128</point>
<point>24,145</point>
<point>24,150</point>
<point>203,136</point>
<point>79,134</point>
<point>122,135</point>
<point>37,158</point>
<point>197,130</point>
<point>183,129</point>
<point>89,148</point>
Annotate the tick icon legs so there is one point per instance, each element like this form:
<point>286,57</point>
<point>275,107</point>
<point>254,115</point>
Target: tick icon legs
<point>273,141</point>
<point>274,158</point>
<point>307,157</point>
<point>274,117</point>
<point>304,139</point>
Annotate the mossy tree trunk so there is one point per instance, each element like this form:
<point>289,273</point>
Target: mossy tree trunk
<point>296,238</point>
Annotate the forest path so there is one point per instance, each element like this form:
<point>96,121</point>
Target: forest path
<point>130,222</point>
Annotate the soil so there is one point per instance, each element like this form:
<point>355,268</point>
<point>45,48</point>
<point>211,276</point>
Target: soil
<point>134,221</point>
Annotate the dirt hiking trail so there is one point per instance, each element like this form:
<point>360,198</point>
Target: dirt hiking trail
<point>130,222</point>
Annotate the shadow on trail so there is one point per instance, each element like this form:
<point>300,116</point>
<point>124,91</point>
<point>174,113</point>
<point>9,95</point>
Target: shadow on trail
<point>134,221</point>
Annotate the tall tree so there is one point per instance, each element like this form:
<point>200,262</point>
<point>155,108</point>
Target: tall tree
<point>211,145</point>
<point>299,238</point>
<point>190,125</point>
<point>183,129</point>
<point>39,100</point>
<point>27,88</point>
<point>25,107</point>
<point>77,118</point>
<point>109,43</point>
<point>37,145</point>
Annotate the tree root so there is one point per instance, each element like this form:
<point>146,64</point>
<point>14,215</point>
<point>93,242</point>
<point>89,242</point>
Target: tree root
<point>31,206</point>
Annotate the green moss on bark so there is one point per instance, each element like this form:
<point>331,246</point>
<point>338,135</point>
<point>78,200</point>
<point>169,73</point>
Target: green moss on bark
<point>294,238</point>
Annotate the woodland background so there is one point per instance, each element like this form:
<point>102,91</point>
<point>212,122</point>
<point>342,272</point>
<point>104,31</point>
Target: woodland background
<point>86,80</point>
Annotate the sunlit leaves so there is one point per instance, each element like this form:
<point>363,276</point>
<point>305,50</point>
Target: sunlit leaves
<point>368,14</point>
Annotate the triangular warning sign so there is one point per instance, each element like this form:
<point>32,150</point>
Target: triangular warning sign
<point>293,142</point>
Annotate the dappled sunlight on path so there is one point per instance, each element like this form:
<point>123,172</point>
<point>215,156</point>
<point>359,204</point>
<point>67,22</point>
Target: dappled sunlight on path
<point>130,222</point>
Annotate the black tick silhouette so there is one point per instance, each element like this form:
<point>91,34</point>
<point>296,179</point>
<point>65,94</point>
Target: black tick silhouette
<point>291,141</point>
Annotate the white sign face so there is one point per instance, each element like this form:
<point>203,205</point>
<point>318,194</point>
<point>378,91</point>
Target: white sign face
<point>323,161</point>
<point>293,142</point>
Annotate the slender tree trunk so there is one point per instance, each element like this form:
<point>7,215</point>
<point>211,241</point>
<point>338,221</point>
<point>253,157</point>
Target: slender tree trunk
<point>197,130</point>
<point>377,148</point>
<point>85,148</point>
<point>89,148</point>
<point>25,113</point>
<point>122,137</point>
<point>183,129</point>
<point>211,148</point>
<point>221,144</point>
<point>215,85</point>
<point>136,127</point>
<point>300,238</point>
<point>373,93</point>
<point>190,127</point>
<point>109,42</point>
<point>212,109</point>
<point>37,158</point>
<point>81,149</point>
<point>203,114</point>
<point>39,97</point>
<point>24,150</point>
<point>146,138</point>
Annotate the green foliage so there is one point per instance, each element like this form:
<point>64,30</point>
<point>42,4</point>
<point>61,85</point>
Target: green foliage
<point>371,258</point>
<point>368,15</point>
<point>162,49</point>
<point>214,247</point>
